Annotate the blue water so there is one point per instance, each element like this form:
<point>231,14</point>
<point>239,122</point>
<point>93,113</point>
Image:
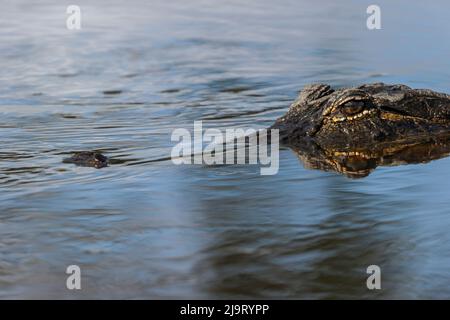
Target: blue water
<point>149,229</point>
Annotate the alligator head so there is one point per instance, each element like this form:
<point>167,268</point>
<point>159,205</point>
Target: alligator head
<point>354,130</point>
<point>364,116</point>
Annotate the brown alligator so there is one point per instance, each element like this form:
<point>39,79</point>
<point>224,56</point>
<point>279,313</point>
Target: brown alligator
<point>354,130</point>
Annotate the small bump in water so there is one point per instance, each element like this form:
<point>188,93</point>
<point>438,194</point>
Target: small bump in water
<point>112,92</point>
<point>68,116</point>
<point>88,159</point>
<point>170,91</point>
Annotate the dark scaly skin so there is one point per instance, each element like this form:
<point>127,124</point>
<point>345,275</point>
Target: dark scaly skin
<point>353,130</point>
<point>88,159</point>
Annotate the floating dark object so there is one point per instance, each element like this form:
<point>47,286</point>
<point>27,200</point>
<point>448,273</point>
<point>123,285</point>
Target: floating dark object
<point>88,159</point>
<point>112,92</point>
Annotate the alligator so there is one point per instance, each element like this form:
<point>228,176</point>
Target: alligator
<point>88,159</point>
<point>353,130</point>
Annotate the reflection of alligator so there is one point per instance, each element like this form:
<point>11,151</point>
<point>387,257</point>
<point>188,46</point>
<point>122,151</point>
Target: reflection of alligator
<point>354,130</point>
<point>359,162</point>
<point>88,159</point>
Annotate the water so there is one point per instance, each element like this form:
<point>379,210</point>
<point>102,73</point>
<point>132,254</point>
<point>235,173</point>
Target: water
<point>145,228</point>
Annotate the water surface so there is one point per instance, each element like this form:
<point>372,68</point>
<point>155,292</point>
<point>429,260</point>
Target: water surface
<point>144,228</point>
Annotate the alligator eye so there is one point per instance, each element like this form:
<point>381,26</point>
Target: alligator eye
<point>353,107</point>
